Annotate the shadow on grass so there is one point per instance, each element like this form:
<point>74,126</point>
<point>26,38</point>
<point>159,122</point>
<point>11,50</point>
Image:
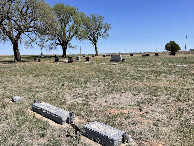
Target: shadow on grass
<point>11,61</point>
<point>38,56</point>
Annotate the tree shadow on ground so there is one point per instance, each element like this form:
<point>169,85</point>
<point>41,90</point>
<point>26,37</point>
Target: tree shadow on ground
<point>11,61</point>
<point>38,56</point>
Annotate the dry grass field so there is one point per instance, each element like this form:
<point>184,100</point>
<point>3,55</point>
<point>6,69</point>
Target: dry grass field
<point>151,98</point>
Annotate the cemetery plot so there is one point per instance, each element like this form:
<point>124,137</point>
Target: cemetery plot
<point>149,95</point>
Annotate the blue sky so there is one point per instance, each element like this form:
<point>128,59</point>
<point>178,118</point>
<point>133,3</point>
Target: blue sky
<point>137,26</point>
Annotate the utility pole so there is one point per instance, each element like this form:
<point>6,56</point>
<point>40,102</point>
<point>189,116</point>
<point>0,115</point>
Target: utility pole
<point>185,43</point>
<point>80,50</point>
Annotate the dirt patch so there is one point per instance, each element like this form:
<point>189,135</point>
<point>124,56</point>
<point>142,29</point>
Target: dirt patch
<point>77,67</point>
<point>115,111</point>
<point>127,111</point>
<point>118,99</point>
<point>158,63</point>
<point>140,119</point>
<point>153,143</point>
<point>137,114</point>
<point>78,120</point>
<point>88,141</point>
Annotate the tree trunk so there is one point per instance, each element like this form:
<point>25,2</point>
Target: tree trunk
<point>64,47</point>
<point>16,51</point>
<point>172,53</point>
<point>96,48</point>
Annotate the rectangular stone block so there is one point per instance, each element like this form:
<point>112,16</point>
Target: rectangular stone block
<point>88,59</point>
<point>17,99</point>
<point>70,59</point>
<point>103,134</point>
<point>54,113</point>
<point>78,58</point>
<point>145,55</point>
<point>117,58</point>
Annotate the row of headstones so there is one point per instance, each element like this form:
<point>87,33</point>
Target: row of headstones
<point>96,131</point>
<point>156,54</point>
<point>71,60</point>
<point>39,60</point>
<point>116,58</point>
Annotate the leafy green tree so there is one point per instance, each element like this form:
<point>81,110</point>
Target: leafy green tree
<point>95,28</point>
<point>68,26</point>
<point>172,47</point>
<point>19,19</point>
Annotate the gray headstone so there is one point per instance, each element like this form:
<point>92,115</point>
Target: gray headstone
<point>116,58</point>
<point>143,55</point>
<point>42,55</point>
<point>88,59</point>
<point>103,134</point>
<point>17,99</point>
<point>54,113</point>
<point>70,59</point>
<point>78,58</point>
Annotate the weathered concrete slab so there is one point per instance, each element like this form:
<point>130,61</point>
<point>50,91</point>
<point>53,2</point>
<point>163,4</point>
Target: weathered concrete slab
<point>17,99</point>
<point>52,112</point>
<point>103,134</point>
<point>116,58</point>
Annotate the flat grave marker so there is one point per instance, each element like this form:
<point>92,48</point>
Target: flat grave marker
<point>54,113</point>
<point>17,99</point>
<point>104,134</point>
